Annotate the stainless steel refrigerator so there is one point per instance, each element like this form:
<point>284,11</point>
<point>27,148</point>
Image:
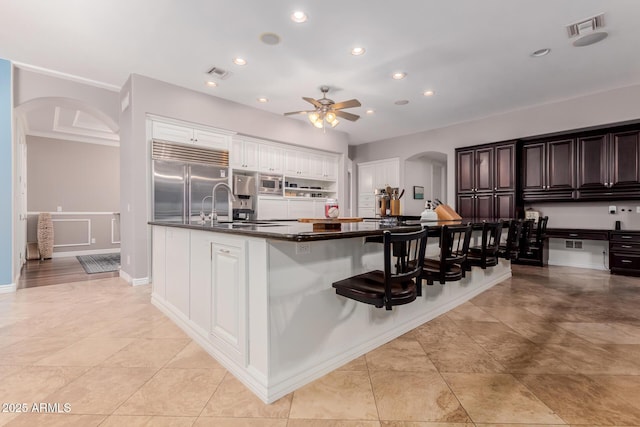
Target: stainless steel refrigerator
<point>183,177</point>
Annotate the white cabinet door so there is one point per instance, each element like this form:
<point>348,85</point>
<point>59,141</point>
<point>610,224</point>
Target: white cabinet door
<point>159,259</point>
<point>365,179</point>
<point>228,298</point>
<point>177,255</point>
<point>171,132</point>
<point>244,154</point>
<point>291,163</point>
<point>330,168</point>
<point>272,208</point>
<point>301,209</point>
<point>316,166</point>
<point>270,159</point>
<point>200,279</point>
<point>211,139</point>
<point>318,209</point>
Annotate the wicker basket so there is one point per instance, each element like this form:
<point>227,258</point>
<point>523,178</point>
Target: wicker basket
<point>45,235</point>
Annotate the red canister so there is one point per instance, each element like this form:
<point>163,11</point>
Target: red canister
<point>331,208</point>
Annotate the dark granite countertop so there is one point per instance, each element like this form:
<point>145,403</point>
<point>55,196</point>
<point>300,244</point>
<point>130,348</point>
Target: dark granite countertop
<point>297,231</point>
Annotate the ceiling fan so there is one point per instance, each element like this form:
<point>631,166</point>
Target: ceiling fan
<point>327,110</point>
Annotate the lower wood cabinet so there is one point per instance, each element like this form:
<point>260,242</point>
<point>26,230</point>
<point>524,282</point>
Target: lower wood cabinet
<point>486,205</point>
<point>624,252</point>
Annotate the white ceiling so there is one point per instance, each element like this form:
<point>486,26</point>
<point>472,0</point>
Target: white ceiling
<point>474,54</point>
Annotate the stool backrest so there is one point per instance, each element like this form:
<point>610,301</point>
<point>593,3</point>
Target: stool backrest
<point>409,253</point>
<point>454,245</point>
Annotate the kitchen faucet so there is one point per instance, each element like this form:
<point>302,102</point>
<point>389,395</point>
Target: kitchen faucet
<point>204,217</point>
<point>214,214</point>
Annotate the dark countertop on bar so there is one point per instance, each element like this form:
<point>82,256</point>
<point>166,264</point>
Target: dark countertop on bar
<point>297,231</point>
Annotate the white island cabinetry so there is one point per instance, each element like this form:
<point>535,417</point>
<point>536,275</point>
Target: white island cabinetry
<point>265,308</point>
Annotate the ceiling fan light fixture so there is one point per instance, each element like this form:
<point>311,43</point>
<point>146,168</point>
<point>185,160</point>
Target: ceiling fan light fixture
<point>319,124</point>
<point>330,117</point>
<point>299,17</point>
<point>334,123</point>
<point>313,117</point>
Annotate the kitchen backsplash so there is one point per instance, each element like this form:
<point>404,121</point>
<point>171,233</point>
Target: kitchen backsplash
<point>590,214</point>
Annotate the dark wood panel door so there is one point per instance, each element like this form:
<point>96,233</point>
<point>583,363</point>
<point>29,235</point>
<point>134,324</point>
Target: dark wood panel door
<point>504,205</point>
<point>465,205</point>
<point>484,169</point>
<point>465,163</point>
<point>593,170</point>
<point>484,205</point>
<point>505,167</point>
<point>625,159</point>
<point>533,167</point>
<point>560,165</point>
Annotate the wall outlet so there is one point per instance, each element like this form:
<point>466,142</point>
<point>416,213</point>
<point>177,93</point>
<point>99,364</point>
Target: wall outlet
<point>612,209</point>
<point>59,209</point>
<point>303,248</point>
<point>93,240</point>
<point>637,209</point>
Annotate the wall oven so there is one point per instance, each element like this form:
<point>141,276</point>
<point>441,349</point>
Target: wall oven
<point>270,184</point>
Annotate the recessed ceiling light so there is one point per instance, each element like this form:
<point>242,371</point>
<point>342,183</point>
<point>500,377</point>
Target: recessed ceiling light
<point>541,52</point>
<point>399,75</point>
<point>357,51</point>
<point>428,93</point>
<point>239,61</point>
<point>211,83</point>
<point>401,102</point>
<point>263,99</point>
<point>270,38</point>
<point>299,17</point>
<point>370,111</point>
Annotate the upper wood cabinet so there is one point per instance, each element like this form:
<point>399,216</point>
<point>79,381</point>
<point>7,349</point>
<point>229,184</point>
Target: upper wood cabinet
<point>548,170</point>
<point>609,165</point>
<point>486,181</point>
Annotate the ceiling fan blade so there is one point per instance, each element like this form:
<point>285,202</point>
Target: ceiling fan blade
<point>313,101</point>
<point>345,115</point>
<point>297,112</point>
<point>347,104</point>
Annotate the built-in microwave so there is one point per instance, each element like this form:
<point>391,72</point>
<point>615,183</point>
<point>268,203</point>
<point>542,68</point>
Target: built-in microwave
<point>270,184</point>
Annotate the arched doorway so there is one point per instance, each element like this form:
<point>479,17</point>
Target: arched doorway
<point>429,171</point>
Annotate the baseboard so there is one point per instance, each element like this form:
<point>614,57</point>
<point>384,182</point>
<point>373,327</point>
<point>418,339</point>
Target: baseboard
<point>87,252</point>
<point>9,288</point>
<point>134,282</point>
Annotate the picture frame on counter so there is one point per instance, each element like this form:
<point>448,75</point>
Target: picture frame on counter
<point>418,192</point>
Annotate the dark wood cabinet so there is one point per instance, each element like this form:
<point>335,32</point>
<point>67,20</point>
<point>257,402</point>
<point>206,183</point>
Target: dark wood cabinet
<point>624,252</point>
<point>609,165</point>
<point>486,181</point>
<point>548,170</point>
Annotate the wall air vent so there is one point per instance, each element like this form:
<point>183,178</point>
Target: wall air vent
<point>586,26</point>
<point>573,244</point>
<point>219,73</point>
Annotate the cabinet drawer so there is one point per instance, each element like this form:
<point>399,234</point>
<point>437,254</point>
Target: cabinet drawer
<point>626,261</point>
<point>577,234</point>
<point>620,236</point>
<point>624,247</point>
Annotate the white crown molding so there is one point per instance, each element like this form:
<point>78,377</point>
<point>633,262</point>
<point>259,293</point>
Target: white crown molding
<point>74,138</point>
<point>66,76</point>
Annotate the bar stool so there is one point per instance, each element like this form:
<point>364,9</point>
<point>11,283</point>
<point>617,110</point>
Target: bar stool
<point>510,249</point>
<point>486,255</point>
<point>393,286</point>
<point>454,245</point>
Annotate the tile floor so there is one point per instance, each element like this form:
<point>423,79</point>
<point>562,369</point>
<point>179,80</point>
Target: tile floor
<point>549,347</point>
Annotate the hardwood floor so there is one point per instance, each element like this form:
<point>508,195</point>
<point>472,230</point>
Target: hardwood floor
<point>56,271</point>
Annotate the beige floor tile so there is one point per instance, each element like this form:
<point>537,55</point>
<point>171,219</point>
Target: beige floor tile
<point>580,400</point>
<point>423,424</point>
<point>34,383</point>
<point>400,355</point>
<point>174,392</point>
<point>499,398</point>
<point>590,358</point>
<point>415,396</point>
<point>56,420</point>
<point>605,333</point>
<point>147,421</point>
<point>239,422</point>
<point>332,423</point>
<point>544,333</point>
<point>626,387</point>
<point>9,370</point>
<point>146,353</point>
<point>469,311</point>
<point>358,364</point>
<point>344,395</point>
<point>233,399</point>
<point>26,352</point>
<point>463,356</point>
<point>85,352</point>
<point>510,313</point>
<point>102,389</point>
<point>193,356</point>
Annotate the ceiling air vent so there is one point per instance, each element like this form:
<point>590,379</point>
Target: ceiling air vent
<point>219,73</point>
<point>585,27</point>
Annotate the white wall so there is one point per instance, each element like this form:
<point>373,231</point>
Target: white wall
<point>149,96</point>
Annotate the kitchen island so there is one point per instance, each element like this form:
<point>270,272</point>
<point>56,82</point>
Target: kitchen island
<point>258,297</point>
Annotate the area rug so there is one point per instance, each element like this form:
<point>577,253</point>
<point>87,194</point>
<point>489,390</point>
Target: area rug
<point>101,263</point>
